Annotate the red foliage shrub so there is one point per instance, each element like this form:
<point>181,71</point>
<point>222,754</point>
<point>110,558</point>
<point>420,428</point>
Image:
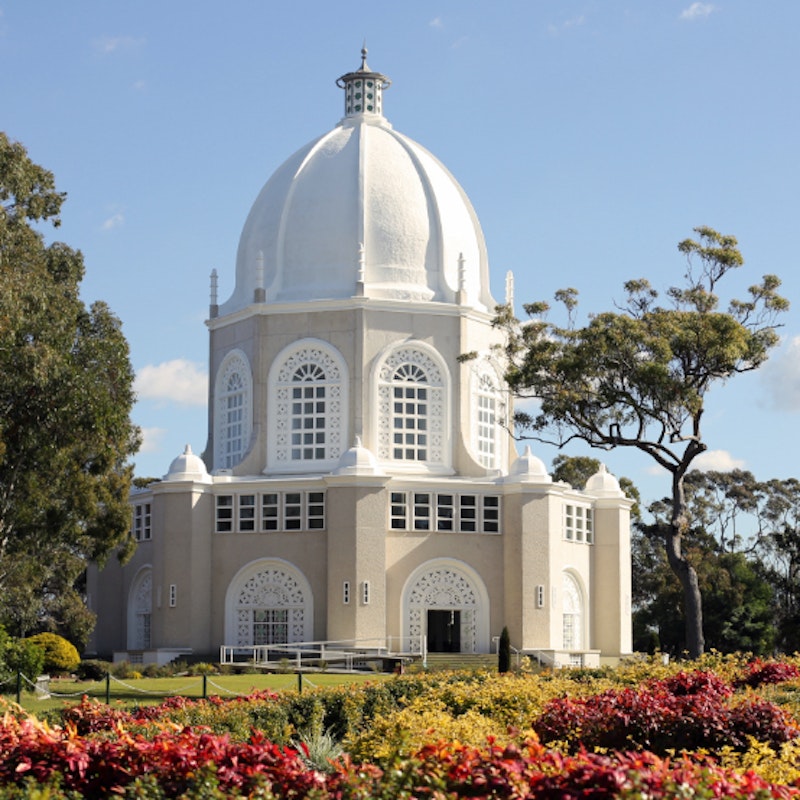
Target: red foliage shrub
<point>97,767</point>
<point>761,672</point>
<point>452,770</point>
<point>689,711</point>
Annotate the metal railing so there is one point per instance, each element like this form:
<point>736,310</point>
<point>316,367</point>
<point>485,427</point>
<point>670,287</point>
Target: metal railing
<point>349,654</point>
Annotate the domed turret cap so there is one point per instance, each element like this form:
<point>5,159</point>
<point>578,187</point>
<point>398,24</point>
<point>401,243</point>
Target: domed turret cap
<point>188,467</point>
<point>604,484</point>
<point>529,468</point>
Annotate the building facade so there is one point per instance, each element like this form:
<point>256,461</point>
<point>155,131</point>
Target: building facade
<point>359,485</point>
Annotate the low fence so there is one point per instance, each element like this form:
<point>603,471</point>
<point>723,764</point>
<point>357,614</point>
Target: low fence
<point>200,687</point>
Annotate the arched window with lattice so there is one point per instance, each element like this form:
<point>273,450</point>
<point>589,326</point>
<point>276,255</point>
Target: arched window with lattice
<point>269,602</point>
<point>308,406</point>
<point>412,391</point>
<point>572,614</point>
<point>140,607</point>
<point>488,417</point>
<point>233,402</point>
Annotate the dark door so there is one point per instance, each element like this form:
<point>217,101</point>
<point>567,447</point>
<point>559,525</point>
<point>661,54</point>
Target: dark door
<point>444,631</point>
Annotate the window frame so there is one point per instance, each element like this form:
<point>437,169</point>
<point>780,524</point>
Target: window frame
<point>264,512</point>
<point>429,511</point>
<point>578,523</point>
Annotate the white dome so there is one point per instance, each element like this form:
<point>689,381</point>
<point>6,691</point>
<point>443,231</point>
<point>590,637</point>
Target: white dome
<point>358,460</point>
<point>529,468</point>
<point>604,484</point>
<point>188,467</point>
<point>363,210</point>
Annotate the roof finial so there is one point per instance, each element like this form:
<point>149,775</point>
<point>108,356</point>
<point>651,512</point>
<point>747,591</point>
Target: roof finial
<point>364,67</point>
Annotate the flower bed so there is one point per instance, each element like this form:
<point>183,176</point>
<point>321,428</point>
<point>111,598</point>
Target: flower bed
<point>583,735</point>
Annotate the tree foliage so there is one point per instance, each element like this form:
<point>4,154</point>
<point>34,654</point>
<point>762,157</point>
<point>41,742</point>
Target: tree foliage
<point>65,401</point>
<point>638,376</point>
<point>744,542</point>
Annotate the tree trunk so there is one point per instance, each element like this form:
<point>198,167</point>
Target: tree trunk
<point>685,572</point>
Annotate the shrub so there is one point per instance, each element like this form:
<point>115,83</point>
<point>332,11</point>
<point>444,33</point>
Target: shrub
<point>688,711</point>
<point>60,656</point>
<point>504,652</point>
<point>759,673</point>
<point>92,670</point>
<point>202,668</point>
<point>25,656</point>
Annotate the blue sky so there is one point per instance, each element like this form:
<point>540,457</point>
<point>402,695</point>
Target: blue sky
<point>590,136</point>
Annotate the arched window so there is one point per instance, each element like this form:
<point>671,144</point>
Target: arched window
<point>411,425</point>
<point>488,415</point>
<point>233,403</point>
<point>269,602</point>
<point>140,607</point>
<point>572,614</point>
<point>309,405</point>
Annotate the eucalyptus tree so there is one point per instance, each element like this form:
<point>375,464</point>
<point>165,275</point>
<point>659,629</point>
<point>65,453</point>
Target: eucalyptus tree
<point>638,376</point>
<point>66,392</point>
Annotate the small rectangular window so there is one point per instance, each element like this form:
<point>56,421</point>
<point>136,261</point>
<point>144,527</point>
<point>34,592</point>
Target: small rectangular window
<point>540,596</point>
<point>316,510</point>
<point>270,510</point>
<point>491,514</point>
<point>346,593</point>
<point>578,524</point>
<point>224,513</point>
<point>422,511</point>
<point>173,595</point>
<point>468,513</point>
<point>398,511</point>
<point>141,522</point>
<point>445,512</point>
<point>293,511</point>
<point>365,593</point>
<point>247,513</point>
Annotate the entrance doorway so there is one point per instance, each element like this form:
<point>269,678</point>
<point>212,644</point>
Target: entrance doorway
<point>444,631</point>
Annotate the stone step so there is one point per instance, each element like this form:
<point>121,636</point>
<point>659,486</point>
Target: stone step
<point>459,661</point>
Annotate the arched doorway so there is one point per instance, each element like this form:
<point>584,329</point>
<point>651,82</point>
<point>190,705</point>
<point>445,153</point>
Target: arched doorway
<point>446,608</point>
<point>268,602</point>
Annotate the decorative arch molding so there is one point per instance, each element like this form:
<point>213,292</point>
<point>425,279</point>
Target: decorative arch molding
<point>140,610</point>
<point>307,408</point>
<point>446,584</point>
<point>573,612</point>
<point>269,601</point>
<point>233,410</point>
<point>413,392</point>
<point>488,416</point>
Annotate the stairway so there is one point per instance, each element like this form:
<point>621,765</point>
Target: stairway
<point>459,661</point>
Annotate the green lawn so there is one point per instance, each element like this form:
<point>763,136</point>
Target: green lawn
<point>146,691</point>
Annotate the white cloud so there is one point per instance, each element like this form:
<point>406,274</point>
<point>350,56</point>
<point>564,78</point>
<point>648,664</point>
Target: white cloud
<point>573,22</point>
<point>781,376</point>
<point>178,381</point>
<point>697,11</point>
<point>113,221</point>
<point>152,439</point>
<point>436,22</point>
<point>718,460</point>
<point>106,45</point>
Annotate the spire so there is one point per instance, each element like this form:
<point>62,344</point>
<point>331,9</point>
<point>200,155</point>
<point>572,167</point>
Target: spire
<point>363,89</point>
